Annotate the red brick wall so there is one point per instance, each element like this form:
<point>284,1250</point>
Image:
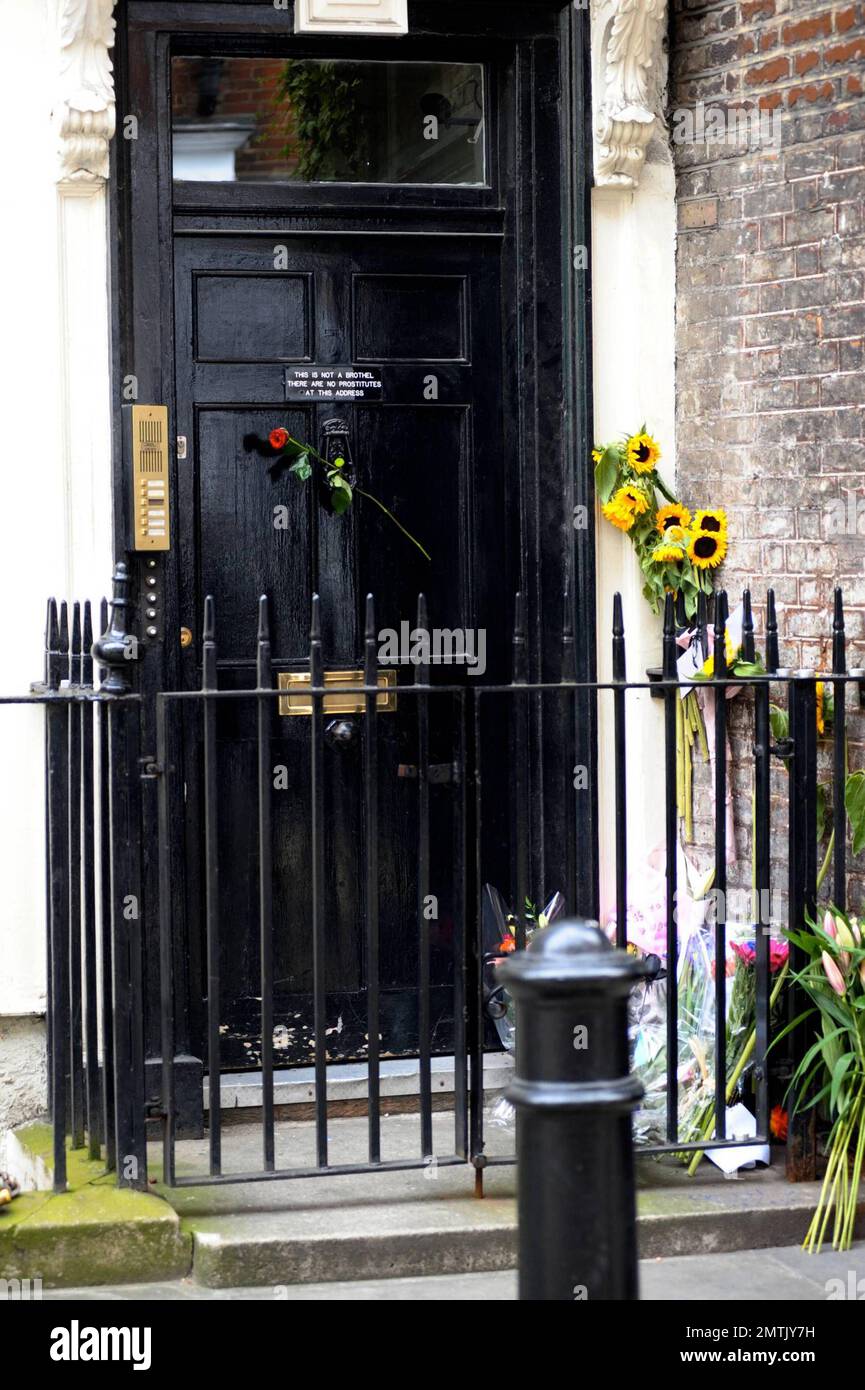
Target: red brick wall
<point>247,87</point>
<point>770,317</point>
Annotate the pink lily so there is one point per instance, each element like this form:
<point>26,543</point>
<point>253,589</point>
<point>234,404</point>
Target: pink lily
<point>829,924</point>
<point>833,974</point>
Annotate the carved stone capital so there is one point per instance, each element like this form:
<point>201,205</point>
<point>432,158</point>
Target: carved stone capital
<point>85,106</point>
<point>628,81</point>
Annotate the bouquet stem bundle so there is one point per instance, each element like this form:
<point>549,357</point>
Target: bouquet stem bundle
<point>833,1068</point>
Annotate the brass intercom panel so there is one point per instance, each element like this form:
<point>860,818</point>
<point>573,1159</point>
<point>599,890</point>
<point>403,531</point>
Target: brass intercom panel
<point>299,701</point>
<point>150,477</point>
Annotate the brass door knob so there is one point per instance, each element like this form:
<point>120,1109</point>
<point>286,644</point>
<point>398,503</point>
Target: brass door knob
<point>185,637</point>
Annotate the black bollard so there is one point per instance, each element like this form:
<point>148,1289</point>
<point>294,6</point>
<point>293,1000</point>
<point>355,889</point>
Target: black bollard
<point>574,1096</point>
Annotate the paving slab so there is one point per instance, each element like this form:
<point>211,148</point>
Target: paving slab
<point>778,1275</point>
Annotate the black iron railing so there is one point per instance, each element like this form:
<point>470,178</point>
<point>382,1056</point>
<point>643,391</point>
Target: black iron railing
<point>96,988</point>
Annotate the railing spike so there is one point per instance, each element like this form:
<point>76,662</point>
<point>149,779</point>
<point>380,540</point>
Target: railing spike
<point>747,627</point>
<point>315,619</point>
<point>86,644</point>
<point>369,629</point>
<point>52,638</point>
<point>263,619</point>
<point>839,638</point>
<point>75,644</point>
<point>618,639</point>
<point>52,630</point>
<point>208,630</point>
<point>721,635</point>
<point>669,639</point>
<point>772,661</point>
<point>422,669</point>
<point>422,613</point>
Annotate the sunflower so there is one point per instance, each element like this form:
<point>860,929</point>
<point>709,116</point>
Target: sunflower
<point>673,515</point>
<point>619,514</point>
<point>642,453</point>
<point>667,554</point>
<point>706,551</point>
<point>708,666</point>
<point>625,506</point>
<point>597,455</point>
<point>713,521</point>
<point>634,498</point>
<point>821,723</point>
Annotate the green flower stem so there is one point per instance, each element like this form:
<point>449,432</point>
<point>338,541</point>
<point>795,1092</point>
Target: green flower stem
<point>856,1178</point>
<point>837,1151</point>
<point>824,867</point>
<point>740,1066</point>
<point>326,463</point>
<point>680,757</point>
<point>688,754</point>
<point>396,523</point>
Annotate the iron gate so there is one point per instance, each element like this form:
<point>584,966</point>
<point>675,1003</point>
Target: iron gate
<point>93,789</point>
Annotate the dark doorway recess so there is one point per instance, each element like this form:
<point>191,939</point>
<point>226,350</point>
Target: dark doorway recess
<point>426,238</point>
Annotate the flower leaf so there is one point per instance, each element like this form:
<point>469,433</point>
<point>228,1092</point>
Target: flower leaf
<point>301,468</point>
<point>340,495</point>
<point>855,802</point>
<point>607,472</point>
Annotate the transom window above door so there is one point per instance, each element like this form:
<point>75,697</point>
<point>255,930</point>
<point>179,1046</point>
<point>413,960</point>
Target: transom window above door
<point>269,119</point>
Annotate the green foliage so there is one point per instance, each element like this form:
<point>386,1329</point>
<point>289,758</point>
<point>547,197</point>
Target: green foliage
<point>326,120</point>
<point>855,804</point>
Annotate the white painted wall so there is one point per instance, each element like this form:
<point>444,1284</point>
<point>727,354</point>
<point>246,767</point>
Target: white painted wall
<point>54,410</point>
<point>633,289</point>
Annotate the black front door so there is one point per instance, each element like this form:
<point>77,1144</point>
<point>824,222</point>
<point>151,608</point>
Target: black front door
<point>421,316</point>
<point>401,209</point>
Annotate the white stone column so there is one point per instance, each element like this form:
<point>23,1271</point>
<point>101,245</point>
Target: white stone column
<point>56,98</point>
<point>633,327</point>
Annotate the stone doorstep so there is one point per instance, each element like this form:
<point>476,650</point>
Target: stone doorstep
<point>347,1081</point>
<point>365,1226</point>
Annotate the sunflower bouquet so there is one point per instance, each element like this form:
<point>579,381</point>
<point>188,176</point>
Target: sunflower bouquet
<point>676,552</point>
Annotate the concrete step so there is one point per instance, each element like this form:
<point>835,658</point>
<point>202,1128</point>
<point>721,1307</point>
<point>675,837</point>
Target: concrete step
<point>782,1274</point>
<point>394,1224</point>
<point>409,1224</point>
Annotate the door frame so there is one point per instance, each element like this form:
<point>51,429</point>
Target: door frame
<point>553,564</point>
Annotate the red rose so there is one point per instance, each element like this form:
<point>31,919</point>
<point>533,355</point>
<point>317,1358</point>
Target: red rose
<point>278,438</point>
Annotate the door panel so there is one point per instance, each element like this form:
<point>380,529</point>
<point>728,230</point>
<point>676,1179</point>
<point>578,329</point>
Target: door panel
<point>427,314</point>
